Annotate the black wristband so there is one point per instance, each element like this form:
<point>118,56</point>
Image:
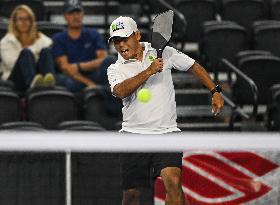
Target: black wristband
<point>79,67</point>
<point>217,89</point>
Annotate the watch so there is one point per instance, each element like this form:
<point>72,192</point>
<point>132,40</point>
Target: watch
<point>217,89</point>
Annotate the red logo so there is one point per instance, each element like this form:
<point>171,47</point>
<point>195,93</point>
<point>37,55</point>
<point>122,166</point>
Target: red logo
<point>222,178</point>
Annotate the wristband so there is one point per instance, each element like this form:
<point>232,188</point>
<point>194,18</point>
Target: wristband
<point>217,89</point>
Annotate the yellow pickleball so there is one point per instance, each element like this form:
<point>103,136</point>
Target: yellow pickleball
<point>144,95</point>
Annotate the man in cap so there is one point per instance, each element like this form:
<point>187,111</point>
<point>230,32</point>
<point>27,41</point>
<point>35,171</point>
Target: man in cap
<point>80,53</point>
<point>138,67</point>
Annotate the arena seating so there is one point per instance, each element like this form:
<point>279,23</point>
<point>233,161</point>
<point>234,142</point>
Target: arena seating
<point>50,107</point>
<point>221,37</point>
<point>273,109</point>
<point>244,12</point>
<point>80,125</point>
<point>266,36</point>
<point>22,126</point>
<point>245,33</point>
<point>7,6</point>
<point>9,105</point>
<point>216,36</point>
<point>196,12</point>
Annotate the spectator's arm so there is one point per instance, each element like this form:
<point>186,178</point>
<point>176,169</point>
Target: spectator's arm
<point>9,54</point>
<point>72,71</point>
<point>96,63</point>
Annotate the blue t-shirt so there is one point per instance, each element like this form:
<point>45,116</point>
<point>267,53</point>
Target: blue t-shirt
<point>78,50</point>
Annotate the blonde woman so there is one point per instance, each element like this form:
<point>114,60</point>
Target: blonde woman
<point>25,52</point>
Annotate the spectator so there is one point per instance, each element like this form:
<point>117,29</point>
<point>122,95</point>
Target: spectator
<point>25,52</point>
<point>80,53</point>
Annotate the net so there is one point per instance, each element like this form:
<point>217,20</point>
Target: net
<point>117,142</point>
<point>82,167</point>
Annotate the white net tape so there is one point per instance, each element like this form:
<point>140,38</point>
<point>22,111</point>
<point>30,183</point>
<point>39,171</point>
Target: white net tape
<point>68,142</point>
<point>119,142</point>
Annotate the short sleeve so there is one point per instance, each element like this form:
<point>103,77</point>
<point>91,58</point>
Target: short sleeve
<point>58,47</point>
<point>114,76</point>
<point>179,60</point>
<point>98,40</point>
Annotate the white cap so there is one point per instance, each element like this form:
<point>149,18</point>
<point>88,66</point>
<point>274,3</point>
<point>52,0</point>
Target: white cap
<point>123,26</point>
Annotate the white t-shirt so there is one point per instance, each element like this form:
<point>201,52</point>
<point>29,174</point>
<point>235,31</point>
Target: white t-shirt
<point>159,114</point>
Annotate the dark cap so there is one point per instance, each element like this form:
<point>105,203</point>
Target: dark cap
<point>72,5</point>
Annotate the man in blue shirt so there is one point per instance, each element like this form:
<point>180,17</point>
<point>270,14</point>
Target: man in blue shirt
<point>80,53</point>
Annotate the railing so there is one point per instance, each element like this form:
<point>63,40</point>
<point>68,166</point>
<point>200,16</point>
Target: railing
<point>236,109</point>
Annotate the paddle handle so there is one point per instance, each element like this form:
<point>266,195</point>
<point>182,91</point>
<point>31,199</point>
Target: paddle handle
<point>159,53</point>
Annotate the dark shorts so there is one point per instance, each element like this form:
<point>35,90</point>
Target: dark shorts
<point>139,169</point>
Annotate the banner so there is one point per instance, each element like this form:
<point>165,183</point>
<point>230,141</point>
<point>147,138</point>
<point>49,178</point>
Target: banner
<point>228,178</point>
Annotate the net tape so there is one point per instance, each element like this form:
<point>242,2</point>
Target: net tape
<point>118,142</point>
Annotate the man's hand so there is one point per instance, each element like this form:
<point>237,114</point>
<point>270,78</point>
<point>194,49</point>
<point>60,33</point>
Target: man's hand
<point>156,66</point>
<point>72,70</point>
<point>91,84</point>
<point>217,103</point>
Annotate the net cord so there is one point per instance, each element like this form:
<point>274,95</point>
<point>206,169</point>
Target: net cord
<point>118,142</point>
<point>68,142</point>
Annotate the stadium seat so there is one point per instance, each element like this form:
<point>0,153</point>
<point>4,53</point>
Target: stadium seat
<point>265,22</point>
<point>9,106</point>
<point>22,125</point>
<point>255,74</point>
<point>7,6</point>
<point>221,40</point>
<point>273,109</point>
<point>3,28</point>
<point>95,109</point>
<point>264,71</point>
<point>50,107</point>
<point>246,53</point>
<point>244,12</point>
<point>266,36</point>
<point>6,85</point>
<point>275,9</point>
<point>49,28</point>
<point>80,125</point>
<point>196,12</point>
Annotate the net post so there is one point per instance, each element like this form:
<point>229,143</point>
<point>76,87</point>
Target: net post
<point>68,178</point>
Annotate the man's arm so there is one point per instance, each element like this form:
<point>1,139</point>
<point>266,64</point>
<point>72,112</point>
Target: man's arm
<point>72,70</point>
<point>203,76</point>
<point>130,85</point>
<point>94,64</point>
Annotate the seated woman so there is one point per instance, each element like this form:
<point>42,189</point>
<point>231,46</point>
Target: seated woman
<point>25,52</point>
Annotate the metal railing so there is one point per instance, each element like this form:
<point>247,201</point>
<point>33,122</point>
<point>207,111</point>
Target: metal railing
<point>237,111</point>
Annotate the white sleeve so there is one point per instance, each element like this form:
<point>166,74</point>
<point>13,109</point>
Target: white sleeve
<point>9,52</point>
<point>114,76</point>
<point>178,60</point>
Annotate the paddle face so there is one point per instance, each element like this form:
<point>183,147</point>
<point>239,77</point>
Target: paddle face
<point>162,31</point>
